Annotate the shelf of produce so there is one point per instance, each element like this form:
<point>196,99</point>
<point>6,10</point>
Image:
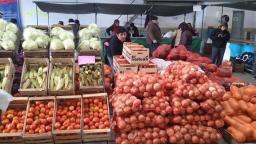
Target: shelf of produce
<point>19,104</point>
<point>70,134</point>
<point>10,76</point>
<point>69,53</point>
<point>33,91</point>
<point>41,53</point>
<point>36,137</point>
<point>94,134</point>
<point>90,87</point>
<point>62,62</point>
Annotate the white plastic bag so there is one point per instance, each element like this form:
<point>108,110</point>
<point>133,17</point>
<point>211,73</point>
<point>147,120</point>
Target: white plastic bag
<point>5,99</point>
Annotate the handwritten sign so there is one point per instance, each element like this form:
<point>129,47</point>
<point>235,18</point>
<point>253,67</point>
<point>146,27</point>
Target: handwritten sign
<point>86,60</point>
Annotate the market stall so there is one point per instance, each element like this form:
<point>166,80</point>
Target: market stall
<point>66,94</point>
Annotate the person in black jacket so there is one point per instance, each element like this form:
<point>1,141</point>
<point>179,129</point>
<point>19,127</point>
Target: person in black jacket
<point>113,28</point>
<point>219,37</point>
<point>116,45</point>
<point>133,30</point>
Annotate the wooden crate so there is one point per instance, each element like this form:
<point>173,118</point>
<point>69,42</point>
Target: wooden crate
<point>45,138</point>
<point>66,136</point>
<point>94,135</point>
<point>93,89</point>
<point>149,68</point>
<point>11,74</point>
<point>140,55</point>
<point>11,53</point>
<point>61,61</point>
<point>15,138</point>
<point>41,53</point>
<point>120,65</point>
<point>89,52</point>
<point>69,53</point>
<point>33,91</point>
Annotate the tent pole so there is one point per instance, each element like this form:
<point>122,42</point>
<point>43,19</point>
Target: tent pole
<point>202,24</point>
<point>48,18</point>
<point>127,18</point>
<point>95,18</point>
<point>194,20</point>
<point>36,15</point>
<point>184,17</point>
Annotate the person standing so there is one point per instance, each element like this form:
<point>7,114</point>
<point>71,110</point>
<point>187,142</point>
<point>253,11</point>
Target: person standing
<point>113,28</point>
<point>186,36</point>
<point>133,30</point>
<point>153,34</point>
<point>115,44</point>
<point>219,37</point>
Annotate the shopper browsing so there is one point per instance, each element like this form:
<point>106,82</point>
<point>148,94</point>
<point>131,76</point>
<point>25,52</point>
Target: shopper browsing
<point>153,34</point>
<point>186,36</point>
<point>133,30</point>
<point>116,45</point>
<point>113,28</point>
<point>219,37</point>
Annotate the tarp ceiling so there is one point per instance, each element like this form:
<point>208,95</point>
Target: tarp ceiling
<point>241,5</point>
<point>86,8</point>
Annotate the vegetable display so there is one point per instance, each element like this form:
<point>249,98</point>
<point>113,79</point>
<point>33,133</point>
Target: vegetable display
<point>12,121</point>
<point>8,35</point>
<point>61,78</point>
<point>89,38</point>
<point>4,72</point>
<point>68,115</point>
<point>181,101</point>
<point>91,74</point>
<point>240,114</point>
<point>35,39</point>
<point>96,114</point>
<point>39,117</point>
<point>61,39</point>
<point>35,77</point>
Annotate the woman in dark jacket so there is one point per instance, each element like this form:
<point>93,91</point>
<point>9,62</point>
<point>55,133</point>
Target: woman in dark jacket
<point>186,36</point>
<point>113,28</point>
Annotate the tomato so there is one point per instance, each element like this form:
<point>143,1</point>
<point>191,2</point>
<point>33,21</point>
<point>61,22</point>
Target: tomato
<point>32,109</point>
<point>86,120</point>
<point>30,115</point>
<point>48,128</point>
<point>50,104</point>
<point>29,121</point>
<point>49,119</point>
<point>77,126</point>
<point>57,125</point>
<point>41,130</point>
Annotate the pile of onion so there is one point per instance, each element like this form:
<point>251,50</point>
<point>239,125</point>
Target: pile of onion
<point>194,134</point>
<point>159,105</point>
<point>143,136</point>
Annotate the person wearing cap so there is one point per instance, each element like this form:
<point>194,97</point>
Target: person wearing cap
<point>113,28</point>
<point>74,26</point>
<point>153,34</point>
<point>219,37</point>
<point>116,44</point>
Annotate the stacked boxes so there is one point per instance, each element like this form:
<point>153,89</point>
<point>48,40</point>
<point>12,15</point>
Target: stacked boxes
<point>135,58</point>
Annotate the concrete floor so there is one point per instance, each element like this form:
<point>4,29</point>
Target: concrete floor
<point>248,78</point>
